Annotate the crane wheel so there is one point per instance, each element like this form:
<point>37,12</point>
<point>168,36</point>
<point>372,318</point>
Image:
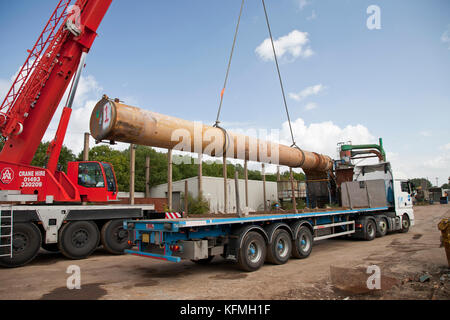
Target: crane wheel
<point>26,243</point>
<point>78,239</point>
<point>114,237</point>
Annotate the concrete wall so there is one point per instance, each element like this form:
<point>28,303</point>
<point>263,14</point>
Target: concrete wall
<point>213,192</point>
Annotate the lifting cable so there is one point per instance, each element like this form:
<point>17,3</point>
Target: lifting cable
<point>279,76</point>
<point>217,124</point>
<point>229,65</point>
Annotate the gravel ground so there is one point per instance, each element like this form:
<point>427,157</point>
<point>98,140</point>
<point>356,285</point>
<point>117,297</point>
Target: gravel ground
<point>336,269</point>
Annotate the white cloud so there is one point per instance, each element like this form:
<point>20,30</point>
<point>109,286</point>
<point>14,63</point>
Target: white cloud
<point>88,93</point>
<point>313,16</point>
<point>323,137</point>
<point>445,38</point>
<point>4,87</point>
<point>302,4</point>
<point>425,133</point>
<point>439,162</point>
<point>305,93</point>
<point>311,106</point>
<point>291,46</point>
<point>445,147</point>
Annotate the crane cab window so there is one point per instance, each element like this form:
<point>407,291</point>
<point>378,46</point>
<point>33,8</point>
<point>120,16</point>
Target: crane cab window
<point>110,180</point>
<point>90,175</point>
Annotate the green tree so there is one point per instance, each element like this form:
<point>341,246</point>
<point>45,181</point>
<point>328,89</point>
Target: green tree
<point>117,158</point>
<point>40,157</point>
<point>417,182</point>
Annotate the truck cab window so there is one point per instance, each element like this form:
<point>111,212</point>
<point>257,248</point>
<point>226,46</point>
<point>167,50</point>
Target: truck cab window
<point>405,187</point>
<point>90,175</point>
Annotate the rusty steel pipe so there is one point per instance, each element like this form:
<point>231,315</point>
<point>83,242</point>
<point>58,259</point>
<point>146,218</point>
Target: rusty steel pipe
<point>114,121</point>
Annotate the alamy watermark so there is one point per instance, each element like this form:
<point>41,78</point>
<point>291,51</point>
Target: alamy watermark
<point>374,20</point>
<point>374,280</point>
<point>74,280</point>
<point>253,145</point>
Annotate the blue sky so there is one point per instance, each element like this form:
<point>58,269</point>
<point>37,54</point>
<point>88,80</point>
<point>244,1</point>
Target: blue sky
<point>171,56</point>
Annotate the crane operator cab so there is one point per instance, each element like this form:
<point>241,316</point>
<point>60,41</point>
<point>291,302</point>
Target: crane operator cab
<point>96,181</point>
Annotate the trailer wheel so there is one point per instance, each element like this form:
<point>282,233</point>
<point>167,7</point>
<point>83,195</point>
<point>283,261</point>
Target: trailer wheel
<point>78,239</point>
<point>279,251</point>
<point>370,230</point>
<point>25,245</point>
<point>114,237</point>
<point>406,224</point>
<point>302,245</point>
<point>382,228</point>
<point>252,253</point>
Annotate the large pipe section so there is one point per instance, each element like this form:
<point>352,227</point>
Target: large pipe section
<point>112,120</point>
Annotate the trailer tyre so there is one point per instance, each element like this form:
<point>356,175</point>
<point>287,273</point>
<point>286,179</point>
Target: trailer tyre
<point>252,253</point>
<point>25,246</point>
<point>370,230</point>
<point>114,237</point>
<point>79,239</point>
<point>302,245</point>
<point>279,251</point>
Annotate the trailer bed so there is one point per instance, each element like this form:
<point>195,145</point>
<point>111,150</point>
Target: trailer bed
<point>197,222</point>
<point>200,239</point>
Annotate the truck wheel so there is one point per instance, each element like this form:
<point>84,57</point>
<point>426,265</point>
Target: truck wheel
<point>302,245</point>
<point>382,228</point>
<point>114,237</point>
<point>25,246</point>
<point>370,230</point>
<point>252,253</point>
<point>406,224</point>
<point>279,251</point>
<point>78,239</point>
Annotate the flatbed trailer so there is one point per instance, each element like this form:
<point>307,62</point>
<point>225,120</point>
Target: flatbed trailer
<point>252,240</point>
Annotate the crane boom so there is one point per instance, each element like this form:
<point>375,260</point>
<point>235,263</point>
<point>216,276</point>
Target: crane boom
<point>35,95</point>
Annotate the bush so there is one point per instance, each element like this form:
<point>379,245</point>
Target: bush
<point>197,205</point>
<point>287,205</point>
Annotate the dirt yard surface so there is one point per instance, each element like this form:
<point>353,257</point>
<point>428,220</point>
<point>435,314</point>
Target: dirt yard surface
<point>412,266</point>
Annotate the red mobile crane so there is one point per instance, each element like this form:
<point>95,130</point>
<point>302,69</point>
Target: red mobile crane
<point>56,60</point>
